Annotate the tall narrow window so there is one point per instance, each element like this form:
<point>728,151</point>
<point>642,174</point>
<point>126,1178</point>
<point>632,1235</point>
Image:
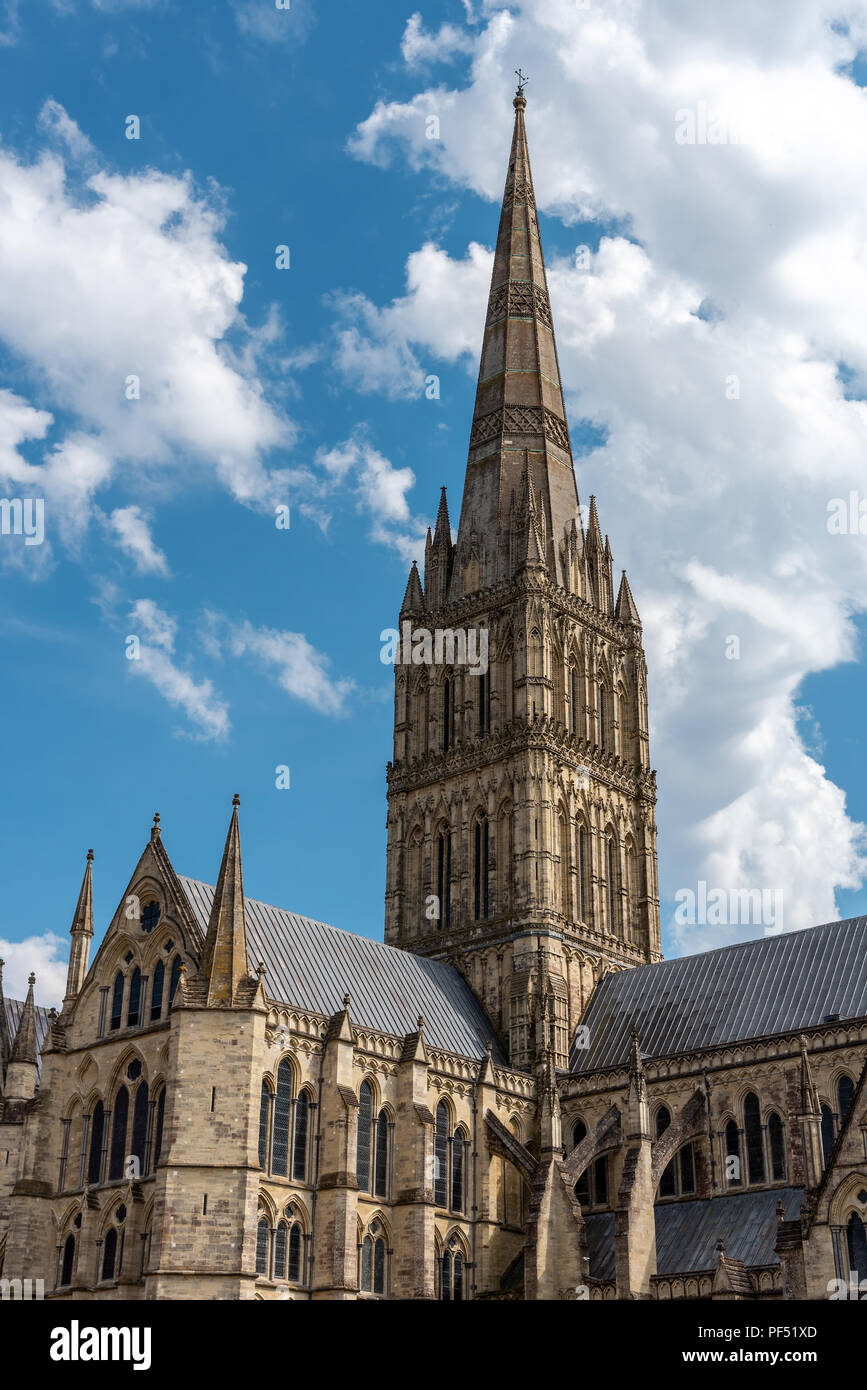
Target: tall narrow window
<point>563,836</point>
<point>68,1261</point>
<point>777,1147</point>
<point>175,976</point>
<point>448,714</point>
<point>582,872</point>
<point>458,1147</point>
<point>140,1125</point>
<point>365,1125</point>
<point>157,990</point>
<point>262,1246</point>
<point>444,878</point>
<point>380,1162</point>
<point>828,1134</point>
<point>600,1181</point>
<point>118,1134</point>
<point>753,1136</point>
<point>483,704</point>
<point>687,1169</point>
<point>158,1132</point>
<point>302,1129</point>
<point>441,1156</point>
<point>280,1247</point>
<point>132,1008</point>
<point>367,1265</point>
<point>603,716</point>
<point>379,1266</point>
<point>282,1112</point>
<point>109,1253</point>
<point>295,1253</point>
<point>264,1117</point>
<point>845,1096</point>
<point>856,1244</point>
<point>733,1155</point>
<point>668,1181</point>
<point>481,869</point>
<point>117,1001</point>
<point>573,699</point>
<point>612,889</point>
<point>97,1126</point>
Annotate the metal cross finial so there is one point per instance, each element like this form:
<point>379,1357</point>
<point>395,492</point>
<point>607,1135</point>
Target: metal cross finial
<point>522,81</point>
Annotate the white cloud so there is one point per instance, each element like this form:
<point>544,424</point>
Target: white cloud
<point>157,631</point>
<point>288,657</point>
<point>47,957</point>
<point>117,293</point>
<point>725,435</point>
<point>380,350</point>
<point>419,46</point>
<point>132,531</point>
<point>380,491</point>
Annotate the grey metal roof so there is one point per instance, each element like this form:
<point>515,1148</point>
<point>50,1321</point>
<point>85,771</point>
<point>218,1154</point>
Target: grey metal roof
<point>14,1010</point>
<point>312,965</point>
<point>687,1232</point>
<point>777,984</point>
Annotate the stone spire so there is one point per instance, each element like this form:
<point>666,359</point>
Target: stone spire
<point>224,960</point>
<point>413,601</point>
<point>438,559</point>
<point>519,398</point>
<point>637,1103</point>
<point>626,610</point>
<point>21,1072</point>
<point>81,932</point>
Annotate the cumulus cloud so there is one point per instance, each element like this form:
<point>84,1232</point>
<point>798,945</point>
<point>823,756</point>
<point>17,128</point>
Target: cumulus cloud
<point>156,632</point>
<point>47,956</point>
<point>380,491</point>
<point>116,291</point>
<point>288,657</point>
<point>713,338</point>
<point>419,45</point>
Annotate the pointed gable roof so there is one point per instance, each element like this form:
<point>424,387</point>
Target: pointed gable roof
<point>519,397</point>
<point>82,920</point>
<point>625,609</point>
<point>24,1045</point>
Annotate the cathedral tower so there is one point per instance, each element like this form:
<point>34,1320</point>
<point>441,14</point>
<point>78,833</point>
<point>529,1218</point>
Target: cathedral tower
<point>521,833</point>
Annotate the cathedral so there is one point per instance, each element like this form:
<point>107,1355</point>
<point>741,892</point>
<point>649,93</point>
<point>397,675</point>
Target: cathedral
<point>513,1096</point>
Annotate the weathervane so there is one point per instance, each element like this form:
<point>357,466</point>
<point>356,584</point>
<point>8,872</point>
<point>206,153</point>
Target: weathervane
<point>522,81</point>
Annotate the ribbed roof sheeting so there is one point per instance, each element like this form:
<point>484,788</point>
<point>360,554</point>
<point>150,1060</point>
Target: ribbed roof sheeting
<point>778,984</point>
<point>311,965</point>
<point>14,1010</point>
<point>687,1232</point>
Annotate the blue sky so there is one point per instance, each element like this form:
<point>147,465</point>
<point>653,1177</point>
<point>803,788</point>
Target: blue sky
<point>156,257</point>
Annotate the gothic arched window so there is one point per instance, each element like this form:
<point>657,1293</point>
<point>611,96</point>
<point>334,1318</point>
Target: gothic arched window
<point>158,1130</point>
<point>452,1275</point>
<point>282,1112</point>
<point>573,699</point>
<point>753,1137</point>
<point>668,1181</point>
<point>302,1130</point>
<point>68,1261</point>
<point>448,714</point>
<point>777,1147</point>
<point>613,915</point>
<point>603,717</point>
<point>380,1156</point>
<point>733,1154</point>
<point>140,1126</point>
<point>118,1134</point>
<point>262,1246</point>
<point>444,878</point>
<point>175,977</point>
<point>109,1253</point>
<point>295,1253</point>
<point>264,1117</point>
<point>459,1145</point>
<point>365,1126</point>
<point>856,1244</point>
<point>483,704</point>
<point>132,1008</point>
<point>441,1156</point>
<point>157,990</point>
<point>845,1096</point>
<point>827,1131</point>
<point>280,1249</point>
<point>97,1127</point>
<point>582,873</point>
<point>480,864</point>
<point>117,1001</point>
